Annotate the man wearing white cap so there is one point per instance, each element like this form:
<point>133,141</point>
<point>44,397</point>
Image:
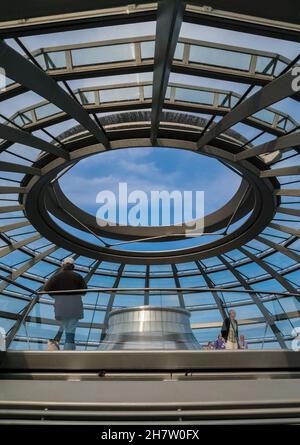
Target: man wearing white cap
<point>68,306</point>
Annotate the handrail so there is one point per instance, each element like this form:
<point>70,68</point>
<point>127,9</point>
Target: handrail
<point>167,289</point>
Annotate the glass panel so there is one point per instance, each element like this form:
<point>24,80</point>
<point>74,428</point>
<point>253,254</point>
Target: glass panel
<point>280,66</point>
<point>179,51</point>
<point>86,97</point>
<point>264,65</point>
<point>196,96</point>
<point>41,61</point>
<point>103,54</point>
<point>6,324</point>
<point>219,57</point>
<point>56,60</point>
<point>46,110</point>
<point>206,316</point>
<point>147,50</point>
<point>10,304</point>
<point>192,281</point>
<point>206,335</point>
<point>119,94</point>
<point>265,115</point>
<point>148,91</point>
<point>123,299</point>
<point>248,311</point>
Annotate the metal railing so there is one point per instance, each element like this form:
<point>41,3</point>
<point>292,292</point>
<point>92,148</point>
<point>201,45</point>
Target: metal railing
<point>266,321</point>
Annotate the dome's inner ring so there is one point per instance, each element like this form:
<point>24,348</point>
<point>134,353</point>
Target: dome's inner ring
<point>61,207</point>
<point>38,214</point>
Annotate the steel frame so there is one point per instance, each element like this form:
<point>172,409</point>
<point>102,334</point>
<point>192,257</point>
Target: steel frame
<point>214,142</point>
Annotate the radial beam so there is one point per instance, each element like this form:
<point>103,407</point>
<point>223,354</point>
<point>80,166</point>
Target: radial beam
<point>287,192</point>
<point>12,134</point>
<point>275,91</point>
<point>267,268</point>
<point>288,211</point>
<point>11,209</point>
<point>177,283</point>
<point>111,301</point>
<point>285,229</point>
<point>169,19</point>
<point>280,248</point>
<point>284,171</point>
<point>282,143</point>
<point>17,245</point>
<point>14,226</point>
<point>27,265</point>
<point>215,294</point>
<point>256,300</point>
<point>26,73</point>
<point>10,167</point>
<point>10,189</point>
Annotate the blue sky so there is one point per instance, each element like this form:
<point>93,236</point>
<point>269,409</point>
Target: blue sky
<point>148,169</point>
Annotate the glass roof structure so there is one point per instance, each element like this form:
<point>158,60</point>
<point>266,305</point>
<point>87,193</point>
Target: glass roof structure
<point>113,76</point>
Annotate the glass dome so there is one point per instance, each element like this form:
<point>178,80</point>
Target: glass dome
<point>72,92</point>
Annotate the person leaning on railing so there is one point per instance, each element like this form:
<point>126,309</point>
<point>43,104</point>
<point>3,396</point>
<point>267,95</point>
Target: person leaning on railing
<point>68,306</point>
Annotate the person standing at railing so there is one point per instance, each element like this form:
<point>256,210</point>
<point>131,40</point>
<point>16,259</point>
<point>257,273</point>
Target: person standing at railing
<point>68,306</point>
<point>230,331</point>
<point>219,343</point>
<point>242,343</point>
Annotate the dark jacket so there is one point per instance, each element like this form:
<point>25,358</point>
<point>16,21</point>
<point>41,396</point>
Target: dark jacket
<point>225,328</point>
<point>66,305</point>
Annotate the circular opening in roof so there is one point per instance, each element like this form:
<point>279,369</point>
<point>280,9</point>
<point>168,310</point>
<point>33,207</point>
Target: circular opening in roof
<point>146,170</point>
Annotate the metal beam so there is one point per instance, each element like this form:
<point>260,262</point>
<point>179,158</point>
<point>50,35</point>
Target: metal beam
<point>256,300</point>
<point>140,102</point>
<point>169,19</point>
<point>27,265</point>
<point>6,250</point>
<point>27,309</point>
<point>91,272</point>
<point>274,274</point>
<point>215,294</point>
<point>11,209</point>
<point>287,192</point>
<point>280,248</point>
<point>26,73</point>
<point>177,283</point>
<point>22,316</point>
<point>10,167</point>
<point>283,143</point>
<point>147,284</point>
<point>285,229</point>
<point>288,211</point>
<point>128,13</point>
<point>111,300</point>
<point>22,137</point>
<point>275,91</point>
<point>14,226</point>
<point>268,10</point>
<point>251,24</point>
<point>4,190</point>
<point>54,16</point>
<point>147,65</point>
<point>284,171</point>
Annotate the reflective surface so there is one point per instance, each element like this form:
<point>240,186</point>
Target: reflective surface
<point>149,327</point>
